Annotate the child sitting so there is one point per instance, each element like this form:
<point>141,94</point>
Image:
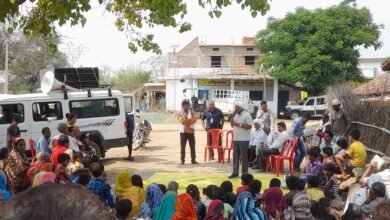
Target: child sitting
<point>356,153</point>
<point>313,192</point>
<point>98,185</point>
<point>123,209</point>
<point>245,180</point>
<point>331,184</point>
<point>61,171</point>
<point>314,166</point>
<point>327,152</point>
<point>76,166</point>
<point>227,187</point>
<point>83,179</point>
<point>341,146</point>
<point>255,185</point>
<point>324,205</point>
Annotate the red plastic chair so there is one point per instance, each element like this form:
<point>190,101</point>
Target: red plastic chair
<point>216,136</point>
<point>288,154</point>
<point>271,158</point>
<point>229,146</point>
<point>32,148</point>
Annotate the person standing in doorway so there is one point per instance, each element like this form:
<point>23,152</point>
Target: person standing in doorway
<point>265,116</point>
<point>187,119</point>
<point>13,131</point>
<point>214,120</point>
<point>241,121</point>
<point>340,120</point>
<point>297,130</point>
<point>129,133</point>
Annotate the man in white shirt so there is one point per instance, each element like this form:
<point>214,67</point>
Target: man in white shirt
<point>265,116</point>
<point>262,144</point>
<point>275,143</point>
<point>241,121</point>
<point>327,141</point>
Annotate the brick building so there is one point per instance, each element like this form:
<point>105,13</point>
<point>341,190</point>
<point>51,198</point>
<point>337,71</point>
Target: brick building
<point>208,67</point>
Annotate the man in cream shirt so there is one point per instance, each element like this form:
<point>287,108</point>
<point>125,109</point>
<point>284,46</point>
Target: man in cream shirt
<point>241,121</point>
<point>276,140</point>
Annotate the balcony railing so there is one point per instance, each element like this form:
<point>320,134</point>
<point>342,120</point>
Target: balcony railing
<point>210,71</point>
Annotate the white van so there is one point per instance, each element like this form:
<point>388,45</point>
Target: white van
<point>99,113</point>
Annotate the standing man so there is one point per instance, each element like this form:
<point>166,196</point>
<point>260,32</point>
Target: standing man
<point>241,121</point>
<point>297,130</point>
<point>42,145</point>
<point>129,133</point>
<point>187,119</point>
<point>214,120</point>
<point>13,131</point>
<point>265,116</point>
<point>340,120</point>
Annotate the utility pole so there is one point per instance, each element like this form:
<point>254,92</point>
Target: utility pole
<point>6,68</point>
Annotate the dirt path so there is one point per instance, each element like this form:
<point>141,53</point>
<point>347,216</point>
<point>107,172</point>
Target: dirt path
<point>163,154</point>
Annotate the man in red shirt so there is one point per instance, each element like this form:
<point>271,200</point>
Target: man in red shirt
<point>60,147</point>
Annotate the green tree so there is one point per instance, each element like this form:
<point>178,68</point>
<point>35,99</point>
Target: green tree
<point>318,48</point>
<point>42,16</point>
<point>27,57</point>
<point>127,80</point>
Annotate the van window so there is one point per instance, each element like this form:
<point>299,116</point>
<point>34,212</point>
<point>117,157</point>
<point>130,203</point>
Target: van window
<point>10,110</point>
<point>128,102</point>
<point>44,111</point>
<point>310,102</point>
<point>94,108</point>
<point>321,101</point>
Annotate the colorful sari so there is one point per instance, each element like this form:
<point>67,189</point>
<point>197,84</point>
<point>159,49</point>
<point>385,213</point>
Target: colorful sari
<point>44,177</point>
<point>167,208</point>
<point>154,197</point>
<point>245,208</point>
<point>185,208</point>
<point>215,210</point>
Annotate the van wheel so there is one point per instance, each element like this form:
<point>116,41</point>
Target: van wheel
<point>97,149</point>
<point>294,115</point>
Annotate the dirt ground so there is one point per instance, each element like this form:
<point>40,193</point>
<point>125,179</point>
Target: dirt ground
<point>162,154</point>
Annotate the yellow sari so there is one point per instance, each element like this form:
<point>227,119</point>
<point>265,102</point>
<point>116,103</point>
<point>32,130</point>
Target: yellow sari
<point>125,190</point>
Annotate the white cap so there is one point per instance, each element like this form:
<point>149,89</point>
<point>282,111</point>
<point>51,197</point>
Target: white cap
<point>241,104</point>
<point>336,102</point>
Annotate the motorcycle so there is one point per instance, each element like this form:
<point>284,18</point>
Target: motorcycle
<point>141,132</point>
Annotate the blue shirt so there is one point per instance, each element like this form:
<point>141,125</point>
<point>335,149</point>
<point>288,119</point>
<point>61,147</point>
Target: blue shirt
<point>213,119</point>
<point>100,188</point>
<point>297,127</point>
<point>42,145</point>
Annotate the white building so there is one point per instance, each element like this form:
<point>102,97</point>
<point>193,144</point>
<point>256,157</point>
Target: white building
<point>208,67</point>
<point>370,67</point>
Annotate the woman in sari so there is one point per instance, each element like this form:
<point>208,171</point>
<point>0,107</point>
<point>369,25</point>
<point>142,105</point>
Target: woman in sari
<point>124,189</point>
<point>154,197</point>
<point>17,165</point>
<point>185,208</point>
<point>245,207</point>
<point>167,207</point>
<point>216,210</point>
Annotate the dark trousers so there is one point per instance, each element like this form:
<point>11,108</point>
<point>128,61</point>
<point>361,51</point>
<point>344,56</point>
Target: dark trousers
<point>240,152</point>
<point>264,153</point>
<point>251,154</point>
<point>211,151</point>
<point>183,141</point>
<point>300,153</point>
<point>130,143</point>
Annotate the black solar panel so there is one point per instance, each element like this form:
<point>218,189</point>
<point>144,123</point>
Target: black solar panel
<point>79,78</point>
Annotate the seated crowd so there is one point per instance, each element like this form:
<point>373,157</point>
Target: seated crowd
<point>65,167</point>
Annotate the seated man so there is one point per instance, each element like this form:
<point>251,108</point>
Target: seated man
<point>376,196</point>
<point>327,141</point>
<point>356,153</point>
<point>275,143</point>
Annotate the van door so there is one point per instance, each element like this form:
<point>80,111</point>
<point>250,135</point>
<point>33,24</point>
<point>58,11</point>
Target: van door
<point>8,111</point>
<point>321,106</point>
<point>45,114</point>
<point>309,106</point>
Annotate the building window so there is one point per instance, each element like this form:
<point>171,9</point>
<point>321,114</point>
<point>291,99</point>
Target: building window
<point>94,108</point>
<point>249,60</point>
<point>215,49</point>
<point>45,111</point>
<point>215,61</point>
<point>256,95</point>
<point>249,49</point>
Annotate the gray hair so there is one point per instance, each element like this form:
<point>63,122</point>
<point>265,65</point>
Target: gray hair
<point>62,128</point>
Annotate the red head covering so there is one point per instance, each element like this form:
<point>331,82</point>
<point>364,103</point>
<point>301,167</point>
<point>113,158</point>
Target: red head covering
<point>185,208</point>
<point>214,211</point>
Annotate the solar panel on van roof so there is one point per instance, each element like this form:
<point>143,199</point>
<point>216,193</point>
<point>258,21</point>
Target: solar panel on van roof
<point>79,78</point>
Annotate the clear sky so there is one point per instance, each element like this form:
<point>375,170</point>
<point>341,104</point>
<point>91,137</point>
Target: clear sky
<point>107,46</point>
